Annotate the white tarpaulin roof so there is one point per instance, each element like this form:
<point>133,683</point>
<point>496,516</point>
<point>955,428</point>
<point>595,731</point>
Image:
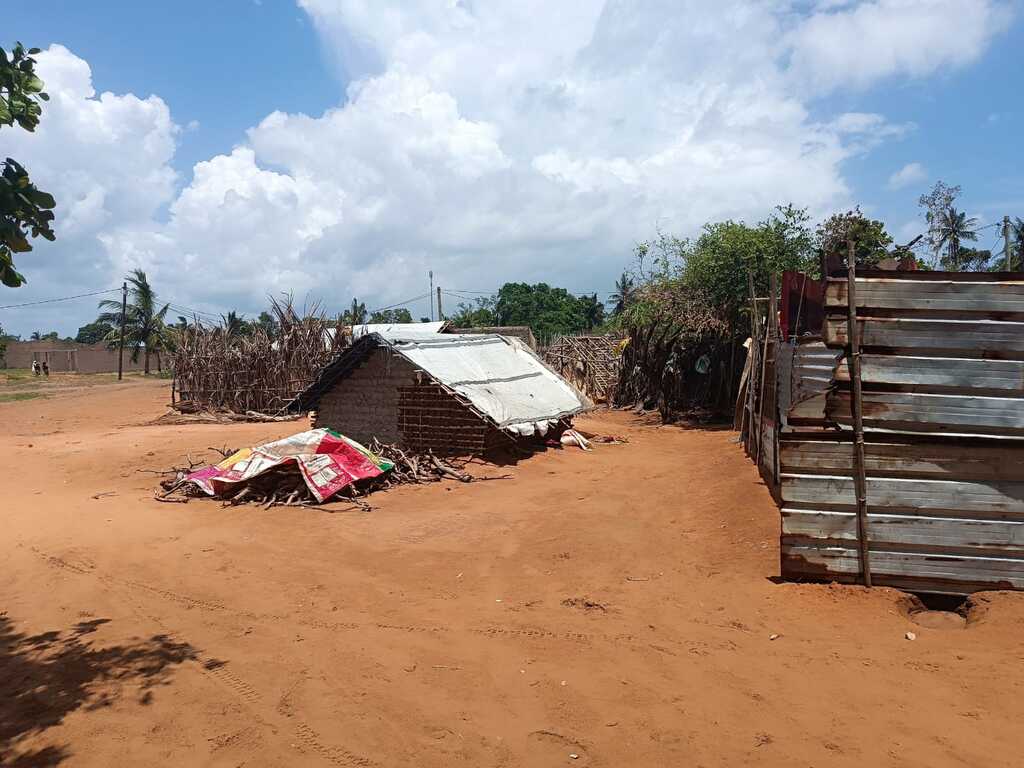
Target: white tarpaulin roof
<point>393,330</point>
<point>399,330</point>
<point>499,375</point>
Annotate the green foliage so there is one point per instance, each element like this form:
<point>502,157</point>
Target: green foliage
<point>25,210</point>
<point>548,311</point>
<point>715,266</point>
<point>40,336</point>
<point>871,241</point>
<point>145,330</point>
<point>625,291</point>
<point>971,260</point>
<point>477,315</point>
<point>235,326</point>
<point>400,315</point>
<point>269,324</point>
<point>355,314</point>
<point>93,333</point>
<point>940,199</point>
<point>1016,250</point>
<point>951,227</point>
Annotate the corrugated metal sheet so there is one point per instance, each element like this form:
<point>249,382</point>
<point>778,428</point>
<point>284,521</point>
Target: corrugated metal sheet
<point>943,411</point>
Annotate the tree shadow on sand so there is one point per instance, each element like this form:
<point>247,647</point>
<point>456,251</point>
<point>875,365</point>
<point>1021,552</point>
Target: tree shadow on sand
<point>45,677</point>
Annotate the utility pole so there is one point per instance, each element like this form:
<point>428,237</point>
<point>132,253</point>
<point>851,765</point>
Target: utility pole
<point>431,273</point>
<point>1007,250</point>
<point>124,313</point>
<point>440,314</point>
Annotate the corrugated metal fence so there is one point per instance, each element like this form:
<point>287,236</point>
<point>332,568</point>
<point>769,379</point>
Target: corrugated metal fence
<point>943,412</point>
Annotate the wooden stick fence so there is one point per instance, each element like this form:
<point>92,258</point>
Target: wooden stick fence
<point>261,371</point>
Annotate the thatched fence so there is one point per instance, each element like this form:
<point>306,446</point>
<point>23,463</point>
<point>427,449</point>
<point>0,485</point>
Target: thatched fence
<point>680,356</point>
<point>216,370</point>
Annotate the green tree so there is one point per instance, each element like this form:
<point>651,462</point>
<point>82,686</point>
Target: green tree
<point>387,316</point>
<point>235,326</point>
<point>145,331</point>
<point>1016,247</point>
<point>269,324</point>
<point>940,199</point>
<point>871,241</point>
<point>548,311</point>
<point>480,314</point>
<point>355,314</point>
<point>25,210</point>
<point>974,260</point>
<point>713,270</point>
<point>593,311</point>
<point>952,227</point>
<point>93,333</point>
<point>625,288</point>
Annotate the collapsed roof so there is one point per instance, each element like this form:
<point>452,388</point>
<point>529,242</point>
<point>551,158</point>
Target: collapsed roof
<point>501,377</point>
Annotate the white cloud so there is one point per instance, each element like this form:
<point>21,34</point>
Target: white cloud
<point>908,175</point>
<point>862,43</point>
<point>529,140</point>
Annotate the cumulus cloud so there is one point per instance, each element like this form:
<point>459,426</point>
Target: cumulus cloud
<point>861,43</point>
<point>908,175</point>
<point>487,142</point>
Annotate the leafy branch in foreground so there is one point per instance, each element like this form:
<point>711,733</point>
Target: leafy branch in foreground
<point>25,210</point>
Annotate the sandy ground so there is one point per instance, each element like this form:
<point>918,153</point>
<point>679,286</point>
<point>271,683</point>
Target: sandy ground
<point>612,608</point>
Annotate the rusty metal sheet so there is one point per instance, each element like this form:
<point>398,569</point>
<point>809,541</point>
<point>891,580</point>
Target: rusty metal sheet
<point>921,412</point>
<point>1004,498</point>
<point>946,373</point>
<point>949,460</point>
<point>999,339</point>
<point>937,532</point>
<point>892,293</point>
<point>951,574</point>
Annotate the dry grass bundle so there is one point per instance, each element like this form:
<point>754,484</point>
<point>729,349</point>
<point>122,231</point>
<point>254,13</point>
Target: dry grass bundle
<point>216,369</point>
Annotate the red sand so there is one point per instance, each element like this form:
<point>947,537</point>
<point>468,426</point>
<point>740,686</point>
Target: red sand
<point>456,625</point>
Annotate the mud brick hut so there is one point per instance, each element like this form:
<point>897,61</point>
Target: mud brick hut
<point>936,503</point>
<point>452,394</point>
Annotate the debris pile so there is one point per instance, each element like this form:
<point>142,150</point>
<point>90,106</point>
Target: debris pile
<point>306,469</point>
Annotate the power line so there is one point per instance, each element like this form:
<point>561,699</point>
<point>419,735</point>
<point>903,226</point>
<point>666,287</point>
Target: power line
<point>401,303</point>
<point>182,308</point>
<point>62,298</point>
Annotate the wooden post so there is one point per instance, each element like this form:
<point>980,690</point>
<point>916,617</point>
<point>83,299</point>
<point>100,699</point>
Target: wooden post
<point>120,347</point>
<point>856,411</point>
<point>770,326</point>
<point>752,358</point>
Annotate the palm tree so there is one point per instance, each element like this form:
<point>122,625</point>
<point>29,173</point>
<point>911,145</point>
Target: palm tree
<point>36,336</point>
<point>356,314</point>
<point>144,329</point>
<point>953,227</point>
<point>625,292</point>
<point>234,325</point>
<point>1017,247</point>
<point>593,311</point>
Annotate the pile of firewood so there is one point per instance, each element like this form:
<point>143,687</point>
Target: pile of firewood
<point>284,486</point>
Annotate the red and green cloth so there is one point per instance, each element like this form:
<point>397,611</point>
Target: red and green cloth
<point>328,461</point>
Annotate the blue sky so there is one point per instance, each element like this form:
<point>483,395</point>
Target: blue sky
<point>223,64</point>
<point>531,142</point>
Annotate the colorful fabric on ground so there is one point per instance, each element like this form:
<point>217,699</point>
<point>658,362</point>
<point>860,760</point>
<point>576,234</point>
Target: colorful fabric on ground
<point>327,461</point>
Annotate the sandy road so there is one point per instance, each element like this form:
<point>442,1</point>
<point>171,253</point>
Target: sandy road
<point>616,606</point>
